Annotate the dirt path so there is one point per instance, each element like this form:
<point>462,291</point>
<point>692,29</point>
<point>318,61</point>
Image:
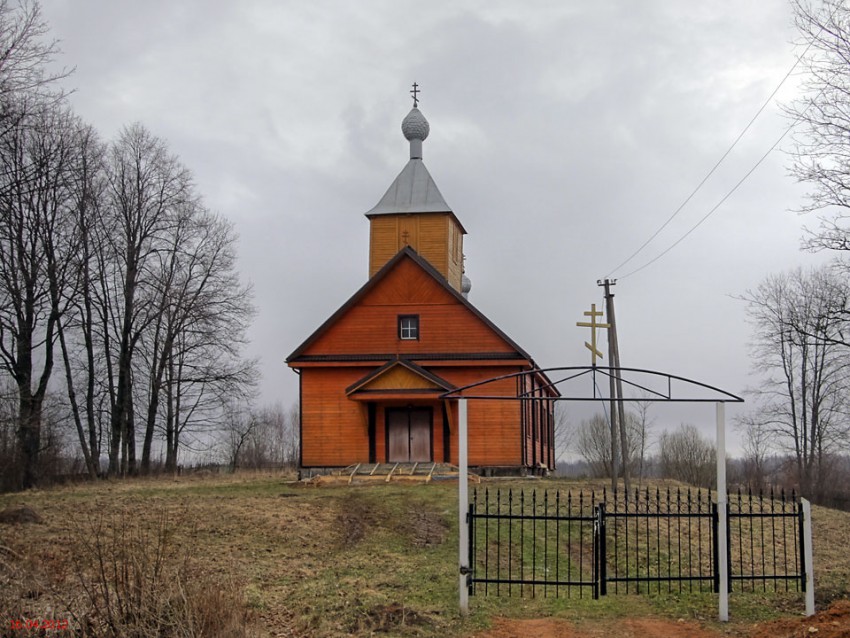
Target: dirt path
<point>833,622</point>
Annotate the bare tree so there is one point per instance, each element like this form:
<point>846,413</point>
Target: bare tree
<point>593,442</point>
<point>200,327</point>
<point>267,437</point>
<point>240,426</point>
<point>563,430</point>
<point>821,156</point>
<point>686,456</point>
<point>37,240</point>
<point>797,346</point>
<point>25,54</point>
<point>78,324</point>
<point>643,425</point>
<point>146,187</point>
<point>756,447</point>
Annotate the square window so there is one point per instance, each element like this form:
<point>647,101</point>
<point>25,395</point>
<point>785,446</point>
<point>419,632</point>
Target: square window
<point>408,327</point>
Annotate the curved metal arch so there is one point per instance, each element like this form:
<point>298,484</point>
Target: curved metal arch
<point>580,371</point>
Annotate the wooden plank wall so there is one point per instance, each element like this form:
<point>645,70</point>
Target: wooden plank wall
<point>435,236</point>
<point>372,325</point>
<point>335,429</point>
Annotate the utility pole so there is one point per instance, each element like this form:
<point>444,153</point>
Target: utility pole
<point>616,385</point>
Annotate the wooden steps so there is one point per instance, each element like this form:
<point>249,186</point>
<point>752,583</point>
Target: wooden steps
<point>393,472</point>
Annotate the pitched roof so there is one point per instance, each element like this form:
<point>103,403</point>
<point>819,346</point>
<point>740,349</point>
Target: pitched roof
<point>431,380</point>
<point>413,191</point>
<point>405,253</point>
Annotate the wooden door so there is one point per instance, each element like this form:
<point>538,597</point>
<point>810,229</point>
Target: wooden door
<point>420,436</point>
<point>408,435</point>
<point>398,436</point>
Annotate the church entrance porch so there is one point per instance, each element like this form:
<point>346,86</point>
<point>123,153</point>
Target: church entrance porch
<point>409,435</point>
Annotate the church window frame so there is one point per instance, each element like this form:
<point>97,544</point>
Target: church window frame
<point>408,327</point>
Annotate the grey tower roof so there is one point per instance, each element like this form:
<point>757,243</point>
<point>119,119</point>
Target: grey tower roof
<point>414,190</point>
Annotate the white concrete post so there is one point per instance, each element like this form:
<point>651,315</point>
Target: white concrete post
<point>463,505</point>
<point>722,532</point>
<point>808,556</point>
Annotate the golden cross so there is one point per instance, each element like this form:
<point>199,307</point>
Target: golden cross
<point>593,314</point>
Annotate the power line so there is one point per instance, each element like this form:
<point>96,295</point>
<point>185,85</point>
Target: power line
<point>709,174</point>
<point>799,117</point>
<point>715,207</point>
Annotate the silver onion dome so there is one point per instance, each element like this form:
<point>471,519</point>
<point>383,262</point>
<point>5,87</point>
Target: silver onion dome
<point>415,129</point>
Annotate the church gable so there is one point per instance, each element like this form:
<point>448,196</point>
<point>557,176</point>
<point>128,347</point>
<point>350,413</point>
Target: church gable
<point>369,323</point>
<point>400,375</point>
<point>408,283</point>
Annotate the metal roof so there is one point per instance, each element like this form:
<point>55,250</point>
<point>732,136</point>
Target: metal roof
<point>413,191</point>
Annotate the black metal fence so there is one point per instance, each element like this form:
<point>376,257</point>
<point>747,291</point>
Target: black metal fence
<point>765,542</point>
<point>553,543</point>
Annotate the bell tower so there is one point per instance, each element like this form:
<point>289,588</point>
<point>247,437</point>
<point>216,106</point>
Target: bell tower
<point>413,213</point>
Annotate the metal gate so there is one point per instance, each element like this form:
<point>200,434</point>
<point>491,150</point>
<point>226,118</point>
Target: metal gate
<point>555,542</point>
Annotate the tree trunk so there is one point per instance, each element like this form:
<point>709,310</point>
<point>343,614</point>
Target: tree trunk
<point>29,436</point>
<point>91,467</point>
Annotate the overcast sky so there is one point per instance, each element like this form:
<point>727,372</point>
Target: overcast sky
<point>563,134</point>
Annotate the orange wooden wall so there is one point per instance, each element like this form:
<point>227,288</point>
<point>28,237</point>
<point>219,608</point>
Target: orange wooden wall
<point>436,236</point>
<point>335,428</point>
<point>371,326</point>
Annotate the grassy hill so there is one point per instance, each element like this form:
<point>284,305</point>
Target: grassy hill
<point>257,555</point>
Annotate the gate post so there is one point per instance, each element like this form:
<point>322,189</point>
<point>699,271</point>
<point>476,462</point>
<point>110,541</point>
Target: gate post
<point>723,515</point>
<point>808,556</point>
<point>463,507</point>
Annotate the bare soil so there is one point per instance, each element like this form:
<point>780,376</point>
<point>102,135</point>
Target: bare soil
<point>833,622</point>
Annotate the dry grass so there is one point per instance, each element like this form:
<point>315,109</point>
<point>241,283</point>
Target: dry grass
<point>294,561</point>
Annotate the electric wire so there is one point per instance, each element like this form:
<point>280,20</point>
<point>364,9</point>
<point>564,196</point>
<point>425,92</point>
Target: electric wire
<point>714,208</point>
<point>711,172</point>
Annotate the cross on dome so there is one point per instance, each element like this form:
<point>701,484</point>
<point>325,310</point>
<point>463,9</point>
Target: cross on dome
<point>414,126</point>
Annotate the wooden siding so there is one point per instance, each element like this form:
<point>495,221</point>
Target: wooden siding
<point>383,241</point>
<point>437,237</point>
<point>493,426</point>
<point>445,325</point>
<point>371,326</point>
<point>400,378</point>
<point>335,429</point>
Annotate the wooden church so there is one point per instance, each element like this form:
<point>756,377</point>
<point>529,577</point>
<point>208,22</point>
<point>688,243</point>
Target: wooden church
<point>372,375</point>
